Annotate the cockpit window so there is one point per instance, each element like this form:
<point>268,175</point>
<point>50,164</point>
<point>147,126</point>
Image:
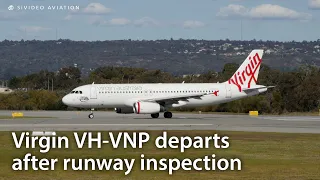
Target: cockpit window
<point>76,92</point>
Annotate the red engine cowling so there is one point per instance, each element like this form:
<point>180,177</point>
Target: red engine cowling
<point>147,108</point>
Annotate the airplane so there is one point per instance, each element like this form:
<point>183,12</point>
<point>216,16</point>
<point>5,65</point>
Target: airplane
<point>153,98</point>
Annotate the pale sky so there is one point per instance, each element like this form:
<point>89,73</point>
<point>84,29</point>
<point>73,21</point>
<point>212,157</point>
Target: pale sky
<point>282,20</point>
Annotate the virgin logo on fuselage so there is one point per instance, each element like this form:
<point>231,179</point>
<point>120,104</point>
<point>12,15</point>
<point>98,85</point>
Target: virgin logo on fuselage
<point>247,75</point>
<point>215,92</point>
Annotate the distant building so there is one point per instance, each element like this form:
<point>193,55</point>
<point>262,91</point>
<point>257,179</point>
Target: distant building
<point>190,75</point>
<point>268,51</point>
<point>5,90</point>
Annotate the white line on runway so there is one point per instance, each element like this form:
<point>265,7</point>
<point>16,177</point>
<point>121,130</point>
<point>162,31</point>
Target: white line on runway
<point>315,120</point>
<point>299,118</point>
<point>292,119</point>
<point>19,125</point>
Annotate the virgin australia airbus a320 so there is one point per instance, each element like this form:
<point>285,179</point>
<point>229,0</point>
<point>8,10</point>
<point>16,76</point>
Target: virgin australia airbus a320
<point>155,98</point>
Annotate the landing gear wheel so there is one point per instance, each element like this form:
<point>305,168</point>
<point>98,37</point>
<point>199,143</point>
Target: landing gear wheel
<point>156,115</point>
<point>167,115</point>
<point>91,116</point>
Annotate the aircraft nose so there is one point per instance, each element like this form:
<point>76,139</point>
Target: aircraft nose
<point>66,100</point>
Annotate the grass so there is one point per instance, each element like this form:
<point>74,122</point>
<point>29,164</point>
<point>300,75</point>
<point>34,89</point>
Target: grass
<point>264,156</point>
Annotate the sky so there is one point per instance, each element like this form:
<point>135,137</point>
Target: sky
<point>91,20</point>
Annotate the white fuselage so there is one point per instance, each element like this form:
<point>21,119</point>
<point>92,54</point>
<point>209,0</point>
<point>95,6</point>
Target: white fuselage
<point>125,95</point>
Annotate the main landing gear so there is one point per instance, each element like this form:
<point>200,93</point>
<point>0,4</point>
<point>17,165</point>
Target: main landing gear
<point>91,116</point>
<point>156,115</point>
<point>165,115</point>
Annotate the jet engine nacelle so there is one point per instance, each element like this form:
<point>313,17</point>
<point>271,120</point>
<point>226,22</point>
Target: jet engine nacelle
<point>124,110</point>
<point>147,108</point>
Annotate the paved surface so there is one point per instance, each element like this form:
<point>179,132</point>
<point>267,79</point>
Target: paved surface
<point>78,121</point>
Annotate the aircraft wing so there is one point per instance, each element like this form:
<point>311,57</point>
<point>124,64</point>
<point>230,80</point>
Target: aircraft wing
<point>174,99</point>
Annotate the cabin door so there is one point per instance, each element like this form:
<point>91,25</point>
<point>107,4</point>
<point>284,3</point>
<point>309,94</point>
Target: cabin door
<point>228,90</point>
<point>93,92</point>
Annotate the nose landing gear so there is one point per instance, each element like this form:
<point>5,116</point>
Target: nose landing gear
<point>91,116</point>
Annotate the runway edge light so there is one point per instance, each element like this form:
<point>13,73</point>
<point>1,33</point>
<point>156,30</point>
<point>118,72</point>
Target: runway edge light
<point>253,113</point>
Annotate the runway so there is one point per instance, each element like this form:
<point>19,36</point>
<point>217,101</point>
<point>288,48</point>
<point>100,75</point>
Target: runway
<point>79,121</point>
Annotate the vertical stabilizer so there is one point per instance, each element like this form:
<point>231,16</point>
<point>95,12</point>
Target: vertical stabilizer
<point>247,74</point>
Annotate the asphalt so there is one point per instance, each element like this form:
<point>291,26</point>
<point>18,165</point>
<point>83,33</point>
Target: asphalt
<point>79,121</point>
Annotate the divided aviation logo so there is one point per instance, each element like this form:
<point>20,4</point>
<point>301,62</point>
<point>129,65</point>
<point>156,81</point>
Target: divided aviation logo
<point>41,7</point>
<point>247,75</point>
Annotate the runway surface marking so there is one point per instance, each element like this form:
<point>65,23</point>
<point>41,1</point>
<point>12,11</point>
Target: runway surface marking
<point>11,125</point>
<point>71,121</point>
<point>302,119</point>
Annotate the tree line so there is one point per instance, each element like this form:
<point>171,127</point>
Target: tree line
<point>296,91</point>
<point>185,56</point>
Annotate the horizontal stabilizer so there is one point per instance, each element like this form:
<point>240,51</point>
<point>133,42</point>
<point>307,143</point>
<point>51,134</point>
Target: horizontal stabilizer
<point>256,88</point>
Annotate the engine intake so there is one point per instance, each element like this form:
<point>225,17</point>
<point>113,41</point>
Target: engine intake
<point>147,108</point>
